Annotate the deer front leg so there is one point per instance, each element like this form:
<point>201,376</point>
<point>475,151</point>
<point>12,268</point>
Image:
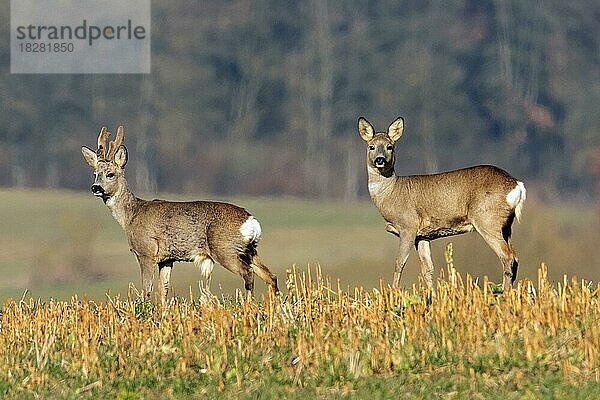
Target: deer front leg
<point>426,263</point>
<point>406,241</point>
<point>147,268</point>
<point>164,273</point>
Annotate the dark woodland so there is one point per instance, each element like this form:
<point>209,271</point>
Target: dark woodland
<point>262,97</point>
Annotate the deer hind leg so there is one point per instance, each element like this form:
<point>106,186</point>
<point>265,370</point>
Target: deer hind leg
<point>424,251</point>
<point>406,241</point>
<point>263,272</point>
<point>164,273</point>
<point>499,241</point>
<point>233,262</point>
<point>506,233</point>
<point>248,276</point>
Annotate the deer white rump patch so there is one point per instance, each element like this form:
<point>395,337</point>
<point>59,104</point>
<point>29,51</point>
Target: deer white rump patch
<point>517,195</point>
<point>251,230</point>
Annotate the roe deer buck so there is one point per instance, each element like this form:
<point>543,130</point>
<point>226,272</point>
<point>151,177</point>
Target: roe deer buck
<point>161,232</point>
<point>421,208</point>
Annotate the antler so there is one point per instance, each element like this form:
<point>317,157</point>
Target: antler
<point>104,134</point>
<point>114,145</point>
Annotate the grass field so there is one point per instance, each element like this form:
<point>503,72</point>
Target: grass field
<point>318,340</point>
<point>337,331</point>
<point>59,243</point>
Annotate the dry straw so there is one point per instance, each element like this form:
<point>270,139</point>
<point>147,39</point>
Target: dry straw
<point>317,329</point>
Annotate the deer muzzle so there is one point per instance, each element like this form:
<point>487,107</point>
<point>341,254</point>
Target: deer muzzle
<point>97,190</point>
<point>379,162</point>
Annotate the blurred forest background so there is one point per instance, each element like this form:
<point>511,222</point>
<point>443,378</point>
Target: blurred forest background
<point>261,98</point>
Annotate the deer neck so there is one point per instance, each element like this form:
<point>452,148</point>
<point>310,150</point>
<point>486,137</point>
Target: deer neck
<point>381,184</point>
<point>123,205</point>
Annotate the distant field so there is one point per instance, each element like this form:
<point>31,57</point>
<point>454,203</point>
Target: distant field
<point>58,243</point>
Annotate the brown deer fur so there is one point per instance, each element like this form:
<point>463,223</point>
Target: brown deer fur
<point>421,208</point>
<point>160,232</point>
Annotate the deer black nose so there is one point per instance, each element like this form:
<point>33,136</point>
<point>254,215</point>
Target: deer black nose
<point>379,161</point>
<point>97,189</point>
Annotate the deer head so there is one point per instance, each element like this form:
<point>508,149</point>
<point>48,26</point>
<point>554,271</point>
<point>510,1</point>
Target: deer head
<point>107,163</point>
<point>380,145</point>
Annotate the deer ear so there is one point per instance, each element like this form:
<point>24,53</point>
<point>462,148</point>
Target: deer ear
<point>365,129</point>
<point>90,156</point>
<point>121,156</point>
<point>396,129</point>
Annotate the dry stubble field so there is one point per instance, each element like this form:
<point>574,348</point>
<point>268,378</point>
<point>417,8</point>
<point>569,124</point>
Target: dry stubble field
<point>334,332</point>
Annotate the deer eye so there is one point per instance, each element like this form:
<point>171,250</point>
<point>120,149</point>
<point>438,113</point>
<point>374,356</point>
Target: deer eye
<point>390,147</point>
<point>110,175</point>
<point>371,147</point>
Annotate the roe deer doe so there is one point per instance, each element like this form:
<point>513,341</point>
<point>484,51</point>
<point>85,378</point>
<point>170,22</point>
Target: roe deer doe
<point>161,232</point>
<point>421,208</point>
